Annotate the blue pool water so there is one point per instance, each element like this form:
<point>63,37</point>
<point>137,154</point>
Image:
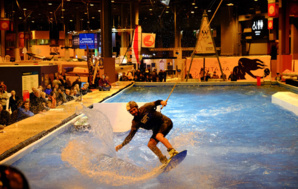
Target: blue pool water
<point>235,137</point>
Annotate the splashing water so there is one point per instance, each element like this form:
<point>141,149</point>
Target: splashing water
<point>94,155</point>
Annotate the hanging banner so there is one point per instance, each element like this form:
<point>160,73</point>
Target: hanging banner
<point>4,25</point>
<point>204,43</point>
<point>270,23</point>
<point>148,40</point>
<point>136,45</point>
<point>89,39</point>
<point>272,9</point>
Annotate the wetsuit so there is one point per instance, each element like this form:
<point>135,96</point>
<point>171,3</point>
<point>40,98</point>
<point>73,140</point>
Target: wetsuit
<point>148,118</point>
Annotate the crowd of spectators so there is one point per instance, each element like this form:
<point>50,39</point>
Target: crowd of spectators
<point>144,76</point>
<point>58,92</point>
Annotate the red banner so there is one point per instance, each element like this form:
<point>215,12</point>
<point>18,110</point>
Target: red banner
<point>273,9</point>
<point>270,23</point>
<point>4,25</point>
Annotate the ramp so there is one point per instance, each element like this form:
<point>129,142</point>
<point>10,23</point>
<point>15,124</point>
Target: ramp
<point>119,117</point>
<point>287,100</point>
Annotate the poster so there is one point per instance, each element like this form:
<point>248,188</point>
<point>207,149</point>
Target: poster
<point>29,80</point>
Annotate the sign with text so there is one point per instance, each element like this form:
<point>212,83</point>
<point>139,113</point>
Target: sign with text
<point>259,27</point>
<point>88,39</point>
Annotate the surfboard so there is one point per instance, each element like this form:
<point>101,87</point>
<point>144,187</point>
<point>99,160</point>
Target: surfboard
<point>176,160</point>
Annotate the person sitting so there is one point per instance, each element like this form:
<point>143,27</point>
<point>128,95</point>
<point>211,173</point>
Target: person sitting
<point>77,81</point>
<point>104,84</point>
<point>232,77</point>
<point>52,99</point>
<point>68,96</point>
<point>24,111</point>
<point>13,99</point>
<point>14,115</point>
<point>60,97</point>
<point>4,116</point>
<point>84,89</point>
<point>215,76</point>
<point>36,103</point>
<point>160,76</point>
<point>123,77</point>
<point>141,77</point>
<point>48,90</point>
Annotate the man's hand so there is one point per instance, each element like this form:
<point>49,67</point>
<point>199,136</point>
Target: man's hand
<point>164,103</point>
<point>118,147</point>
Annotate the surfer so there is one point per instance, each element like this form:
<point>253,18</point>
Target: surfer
<point>148,118</point>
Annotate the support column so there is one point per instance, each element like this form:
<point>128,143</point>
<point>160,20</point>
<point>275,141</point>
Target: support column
<point>2,31</point>
<point>284,60</point>
<point>106,29</point>
<point>66,43</point>
<point>124,37</point>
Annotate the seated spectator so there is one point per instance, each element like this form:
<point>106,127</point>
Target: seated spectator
<point>68,95</point>
<point>232,77</point>
<point>129,76</point>
<point>141,77</point>
<point>215,76</point>
<point>32,94</point>
<point>14,115</point>
<point>148,78</point>
<point>36,103</point>
<point>136,78</point>
<point>67,84</point>
<point>154,75</point>
<point>123,77</point>
<point>104,84</point>
<point>61,97</point>
<point>48,90</point>
<point>52,99</point>
<point>160,76</point>
<point>3,85</point>
<point>24,111</point>
<point>3,97</point>
<point>56,82</point>
<point>13,99</point>
<point>77,81</point>
<point>4,116</point>
<point>77,90</point>
<point>84,89</point>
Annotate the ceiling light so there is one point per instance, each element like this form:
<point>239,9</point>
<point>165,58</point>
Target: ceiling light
<point>112,1</point>
<point>99,10</point>
<point>192,12</point>
<point>50,4</point>
<point>196,7</point>
<point>32,21</point>
<point>167,11</point>
<point>24,9</point>
<point>70,20</point>
<point>193,3</point>
<point>150,9</point>
<point>67,0</point>
<point>62,9</point>
<point>86,13</point>
<point>209,10</point>
<point>230,4</point>
<point>93,17</point>
<point>20,18</point>
<point>91,5</point>
<point>62,16</point>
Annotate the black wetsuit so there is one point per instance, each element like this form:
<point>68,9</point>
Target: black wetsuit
<point>148,118</point>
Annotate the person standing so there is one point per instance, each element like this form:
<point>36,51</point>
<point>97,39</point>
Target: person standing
<point>4,116</point>
<point>148,118</point>
<point>13,99</point>
<point>3,97</point>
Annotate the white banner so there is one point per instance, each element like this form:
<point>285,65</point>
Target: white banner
<point>148,40</point>
<point>246,68</point>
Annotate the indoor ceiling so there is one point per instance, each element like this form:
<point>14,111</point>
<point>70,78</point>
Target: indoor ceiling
<point>38,14</point>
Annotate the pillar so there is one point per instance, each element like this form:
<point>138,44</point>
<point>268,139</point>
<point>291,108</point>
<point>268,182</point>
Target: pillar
<point>2,31</point>
<point>106,29</point>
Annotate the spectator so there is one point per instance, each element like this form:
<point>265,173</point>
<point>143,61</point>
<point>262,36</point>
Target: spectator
<point>104,84</point>
<point>31,95</point>
<point>24,111</point>
<point>232,77</point>
<point>68,95</point>
<point>215,76</point>
<point>148,78</point>
<point>123,77</point>
<point>3,97</point>
<point>154,75</point>
<point>56,82</point>
<point>141,77</point>
<point>13,99</point>
<point>3,85</point>
<point>77,81</point>
<point>77,89</point>
<point>97,78</point>
<point>52,99</point>
<point>14,115</point>
<point>4,116</point>
<point>61,97</point>
<point>129,76</point>
<point>48,89</point>
<point>160,76</point>
<point>36,102</point>
<point>164,76</point>
<point>67,84</point>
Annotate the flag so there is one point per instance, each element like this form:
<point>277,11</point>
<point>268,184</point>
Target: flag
<point>136,44</point>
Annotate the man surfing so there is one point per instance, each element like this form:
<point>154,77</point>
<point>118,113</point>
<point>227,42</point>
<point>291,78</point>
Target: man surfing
<point>148,118</point>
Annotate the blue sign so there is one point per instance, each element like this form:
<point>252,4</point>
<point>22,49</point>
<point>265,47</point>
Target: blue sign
<point>89,39</point>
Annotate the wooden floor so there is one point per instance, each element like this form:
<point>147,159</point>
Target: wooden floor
<point>16,136</point>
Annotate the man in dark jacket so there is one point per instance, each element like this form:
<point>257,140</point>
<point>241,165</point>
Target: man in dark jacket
<point>148,118</point>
